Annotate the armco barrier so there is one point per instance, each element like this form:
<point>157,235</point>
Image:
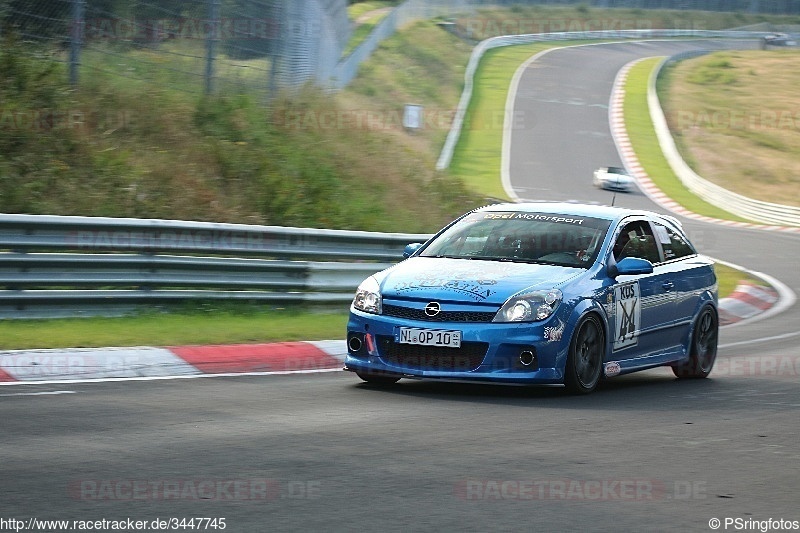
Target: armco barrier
<point>53,266</point>
<point>66,266</point>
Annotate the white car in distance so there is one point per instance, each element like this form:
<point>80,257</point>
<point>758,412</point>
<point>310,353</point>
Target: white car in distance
<point>613,179</point>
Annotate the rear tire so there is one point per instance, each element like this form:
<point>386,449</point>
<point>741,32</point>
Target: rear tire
<point>377,379</point>
<point>703,348</point>
<point>585,358</point>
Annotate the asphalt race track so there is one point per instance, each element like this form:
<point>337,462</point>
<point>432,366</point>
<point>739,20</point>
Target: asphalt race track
<point>567,135</point>
<point>326,452</point>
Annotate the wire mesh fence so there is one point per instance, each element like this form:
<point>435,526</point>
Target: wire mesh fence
<point>197,46</point>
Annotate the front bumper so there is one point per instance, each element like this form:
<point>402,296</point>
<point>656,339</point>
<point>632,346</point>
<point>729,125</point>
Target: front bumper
<point>616,186</point>
<point>531,353</point>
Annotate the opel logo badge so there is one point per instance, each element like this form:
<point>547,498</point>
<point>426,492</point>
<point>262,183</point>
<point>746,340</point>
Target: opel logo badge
<point>433,309</point>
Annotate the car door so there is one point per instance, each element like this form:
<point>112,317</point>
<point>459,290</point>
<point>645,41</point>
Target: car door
<point>643,305</point>
<point>688,274</point>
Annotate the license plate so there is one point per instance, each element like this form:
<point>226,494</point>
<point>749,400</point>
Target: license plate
<point>429,337</point>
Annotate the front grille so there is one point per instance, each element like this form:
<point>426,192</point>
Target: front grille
<point>415,357</point>
<point>445,316</point>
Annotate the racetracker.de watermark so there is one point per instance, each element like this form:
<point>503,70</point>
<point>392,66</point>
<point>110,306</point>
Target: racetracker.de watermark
<point>770,366</point>
<point>118,29</point>
<point>396,120</point>
<point>483,26</point>
<point>182,239</point>
<point>738,119</point>
<point>42,120</point>
<point>46,364</point>
<point>590,490</point>
<point>207,490</point>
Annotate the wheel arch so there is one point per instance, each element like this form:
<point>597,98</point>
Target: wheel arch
<point>691,366</point>
<point>579,357</point>
<point>702,306</point>
<point>584,308</point>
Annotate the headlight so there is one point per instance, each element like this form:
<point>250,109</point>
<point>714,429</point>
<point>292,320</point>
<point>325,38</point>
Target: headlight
<point>368,297</point>
<point>529,307</point>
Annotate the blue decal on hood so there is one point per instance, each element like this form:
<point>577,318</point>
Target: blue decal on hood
<point>476,289</point>
<point>479,281</point>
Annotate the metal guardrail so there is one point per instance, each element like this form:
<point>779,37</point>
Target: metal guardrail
<point>68,266</point>
<point>446,155</point>
<point>749,208</point>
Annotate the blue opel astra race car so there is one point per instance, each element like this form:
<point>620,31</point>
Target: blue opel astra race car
<point>539,293</point>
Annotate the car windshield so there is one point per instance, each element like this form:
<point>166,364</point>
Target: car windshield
<point>547,238</point>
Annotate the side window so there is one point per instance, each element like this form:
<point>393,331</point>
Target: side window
<point>636,240</point>
<point>674,244</point>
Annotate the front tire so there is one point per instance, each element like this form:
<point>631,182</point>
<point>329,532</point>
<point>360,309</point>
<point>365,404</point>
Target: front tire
<point>377,379</point>
<point>703,348</point>
<point>585,357</point>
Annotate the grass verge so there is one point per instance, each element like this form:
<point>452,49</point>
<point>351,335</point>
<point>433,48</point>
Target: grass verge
<point>366,15</point>
<point>477,157</point>
<point>478,154</point>
<point>228,326</point>
<point>716,106</point>
<point>728,278</point>
<point>231,324</point>
<point>648,151</point>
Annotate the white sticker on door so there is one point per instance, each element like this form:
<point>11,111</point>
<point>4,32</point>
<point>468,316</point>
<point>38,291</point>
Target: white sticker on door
<point>627,315</point>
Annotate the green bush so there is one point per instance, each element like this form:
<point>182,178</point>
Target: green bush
<point>148,149</point>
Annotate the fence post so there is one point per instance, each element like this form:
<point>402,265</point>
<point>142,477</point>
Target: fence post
<point>211,41</point>
<point>276,51</point>
<point>76,41</point>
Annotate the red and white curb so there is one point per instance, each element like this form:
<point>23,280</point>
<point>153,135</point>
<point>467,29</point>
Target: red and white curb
<point>746,301</point>
<point>145,362</point>
<point>646,185</point>
<point>93,364</point>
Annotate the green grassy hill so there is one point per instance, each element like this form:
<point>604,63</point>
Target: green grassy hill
<point>116,146</point>
<point>124,148</point>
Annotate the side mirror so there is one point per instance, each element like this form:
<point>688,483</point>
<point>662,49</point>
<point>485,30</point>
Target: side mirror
<point>631,266</point>
<point>411,249</point>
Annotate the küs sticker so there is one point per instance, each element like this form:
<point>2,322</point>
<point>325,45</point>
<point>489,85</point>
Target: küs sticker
<point>627,315</point>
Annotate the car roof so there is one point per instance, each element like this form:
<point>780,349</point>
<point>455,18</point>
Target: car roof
<point>576,209</point>
<point>616,170</point>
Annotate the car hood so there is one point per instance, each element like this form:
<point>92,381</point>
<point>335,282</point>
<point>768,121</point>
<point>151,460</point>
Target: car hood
<point>617,177</point>
<point>465,280</point>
